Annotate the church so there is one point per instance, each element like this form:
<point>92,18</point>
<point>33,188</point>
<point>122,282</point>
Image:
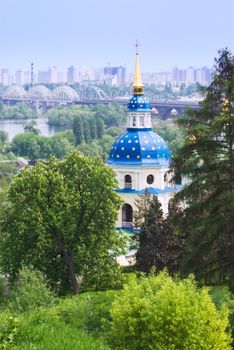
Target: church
<point>139,157</point>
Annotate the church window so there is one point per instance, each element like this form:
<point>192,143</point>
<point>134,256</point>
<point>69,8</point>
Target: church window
<point>127,215</point>
<point>150,179</point>
<point>133,121</point>
<point>127,181</point>
<point>141,121</point>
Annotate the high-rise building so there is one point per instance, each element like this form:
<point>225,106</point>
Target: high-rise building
<point>27,77</point>
<point>5,77</point>
<point>203,75</point>
<point>175,74</point>
<point>43,77</point>
<point>53,75</point>
<point>48,76</point>
<point>72,76</point>
<point>115,75</point>
<point>19,77</point>
<point>190,75</point>
<point>61,77</point>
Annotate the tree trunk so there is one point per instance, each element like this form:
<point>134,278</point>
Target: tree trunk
<point>71,268</point>
<point>69,260</point>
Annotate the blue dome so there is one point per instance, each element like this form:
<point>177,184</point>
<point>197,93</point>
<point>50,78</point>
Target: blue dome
<point>138,103</point>
<point>139,147</point>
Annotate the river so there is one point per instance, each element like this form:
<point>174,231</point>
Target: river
<point>16,126</point>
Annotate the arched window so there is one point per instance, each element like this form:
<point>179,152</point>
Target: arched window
<point>133,121</point>
<point>127,215</point>
<point>150,179</point>
<point>127,181</point>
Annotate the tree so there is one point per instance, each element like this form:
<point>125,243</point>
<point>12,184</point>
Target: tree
<point>41,147</point>
<point>30,291</point>
<point>207,160</point>
<point>3,136</point>
<point>100,127</point>
<point>93,128</point>
<point>86,128</point>
<point>78,130</point>
<point>157,312</point>
<point>60,217</point>
<point>32,127</point>
<point>114,132</point>
<point>159,246</point>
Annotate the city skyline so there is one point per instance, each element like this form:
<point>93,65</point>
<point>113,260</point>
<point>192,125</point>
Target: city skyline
<point>100,33</point>
<point>113,76</point>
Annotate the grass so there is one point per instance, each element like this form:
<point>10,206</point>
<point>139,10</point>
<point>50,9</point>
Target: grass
<point>77,322</point>
<point>43,331</point>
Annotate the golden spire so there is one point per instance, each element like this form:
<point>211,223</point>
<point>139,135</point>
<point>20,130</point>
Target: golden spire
<point>138,87</point>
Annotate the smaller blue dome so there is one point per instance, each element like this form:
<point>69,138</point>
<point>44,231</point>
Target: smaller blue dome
<point>138,103</point>
<point>139,147</point>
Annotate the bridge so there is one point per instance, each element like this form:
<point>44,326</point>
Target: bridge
<point>39,96</point>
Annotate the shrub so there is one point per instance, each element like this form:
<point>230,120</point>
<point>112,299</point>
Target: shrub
<point>41,330</point>
<point>159,313</point>
<point>221,295</point>
<point>30,291</point>
<point>87,311</point>
<point>8,331</point>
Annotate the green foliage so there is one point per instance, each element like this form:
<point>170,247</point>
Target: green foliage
<point>78,130</point>
<point>87,129</point>
<point>158,245</point>
<point>221,296</point>
<point>65,116</point>
<point>8,331</point>
<point>7,171</point>
<point>45,331</point>
<point>172,135</point>
<point>100,128</point>
<point>114,132</point>
<point>104,274</point>
<point>207,160</point>
<point>98,148</point>
<point>111,115</point>
<point>3,136</point>
<point>159,313</point>
<point>67,324</point>
<point>30,291</point>
<point>19,111</point>
<point>32,127</point>
<point>36,146</point>
<point>88,312</point>
<point>60,218</point>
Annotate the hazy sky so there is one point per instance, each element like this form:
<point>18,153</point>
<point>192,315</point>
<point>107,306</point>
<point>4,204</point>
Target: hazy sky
<point>101,32</point>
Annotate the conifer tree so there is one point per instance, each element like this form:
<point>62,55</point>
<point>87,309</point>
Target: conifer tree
<point>93,128</point>
<point>86,128</point>
<point>159,247</point>
<point>207,160</point>
<point>100,127</point>
<point>78,130</point>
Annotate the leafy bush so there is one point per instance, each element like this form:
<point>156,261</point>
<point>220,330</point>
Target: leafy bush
<point>159,313</point>
<point>30,291</point>
<point>42,330</point>
<point>8,331</point>
<point>221,295</point>
<point>88,311</point>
